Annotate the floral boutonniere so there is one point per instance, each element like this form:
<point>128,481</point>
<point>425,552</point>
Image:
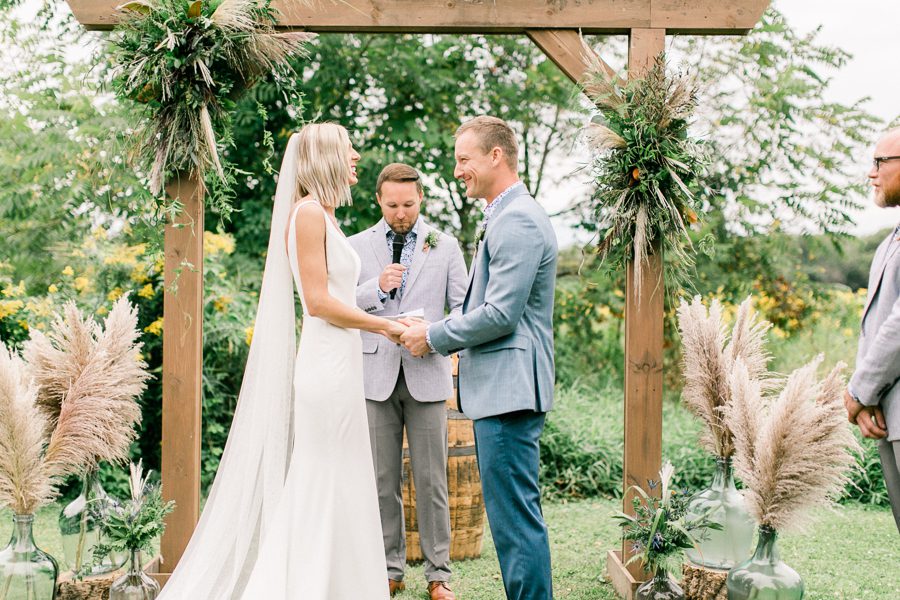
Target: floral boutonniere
<point>431,241</point>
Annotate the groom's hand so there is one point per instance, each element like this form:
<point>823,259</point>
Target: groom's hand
<point>414,337</point>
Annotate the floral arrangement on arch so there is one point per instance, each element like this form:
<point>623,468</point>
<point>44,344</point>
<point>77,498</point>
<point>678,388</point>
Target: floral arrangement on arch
<point>187,62</point>
<point>644,165</point>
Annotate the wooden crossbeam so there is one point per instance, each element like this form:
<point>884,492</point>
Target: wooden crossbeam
<point>490,16</point>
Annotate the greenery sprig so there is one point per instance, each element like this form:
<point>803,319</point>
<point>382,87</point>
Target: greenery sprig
<point>645,164</point>
<point>136,523</point>
<point>187,62</point>
<point>660,528</point>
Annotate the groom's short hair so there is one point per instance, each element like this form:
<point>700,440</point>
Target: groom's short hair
<point>493,133</point>
<point>398,173</point>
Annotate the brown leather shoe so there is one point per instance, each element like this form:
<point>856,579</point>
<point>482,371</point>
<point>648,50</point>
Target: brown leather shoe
<point>395,586</point>
<point>440,590</point>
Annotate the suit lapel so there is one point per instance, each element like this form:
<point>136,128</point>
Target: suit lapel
<point>419,257</point>
<point>889,250</point>
<point>379,244</point>
<point>522,191</point>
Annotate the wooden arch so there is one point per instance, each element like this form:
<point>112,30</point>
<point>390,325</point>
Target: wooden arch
<point>556,27</point>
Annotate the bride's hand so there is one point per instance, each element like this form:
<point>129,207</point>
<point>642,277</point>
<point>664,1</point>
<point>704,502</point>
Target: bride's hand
<point>393,330</point>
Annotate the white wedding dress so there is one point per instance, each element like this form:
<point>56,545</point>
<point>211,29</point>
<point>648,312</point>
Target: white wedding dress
<point>325,539</point>
<point>293,511</point>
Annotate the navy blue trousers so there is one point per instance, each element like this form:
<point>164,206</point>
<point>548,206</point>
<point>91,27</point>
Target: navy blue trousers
<point>509,460</point>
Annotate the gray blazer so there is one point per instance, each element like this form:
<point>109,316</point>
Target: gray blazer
<point>878,360</point>
<point>436,280</point>
<point>506,324</point>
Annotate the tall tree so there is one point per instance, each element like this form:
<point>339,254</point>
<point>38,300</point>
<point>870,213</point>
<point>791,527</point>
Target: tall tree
<point>402,97</point>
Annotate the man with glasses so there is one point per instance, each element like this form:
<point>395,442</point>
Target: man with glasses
<point>872,397</point>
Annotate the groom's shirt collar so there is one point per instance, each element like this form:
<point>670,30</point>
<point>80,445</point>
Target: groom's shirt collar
<point>493,206</point>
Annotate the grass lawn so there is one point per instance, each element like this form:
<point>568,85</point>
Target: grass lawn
<point>849,553</point>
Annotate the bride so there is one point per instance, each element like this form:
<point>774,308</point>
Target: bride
<point>293,511</point>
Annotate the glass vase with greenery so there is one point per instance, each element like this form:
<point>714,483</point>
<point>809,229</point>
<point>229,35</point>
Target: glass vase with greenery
<point>659,531</point>
<point>132,527</point>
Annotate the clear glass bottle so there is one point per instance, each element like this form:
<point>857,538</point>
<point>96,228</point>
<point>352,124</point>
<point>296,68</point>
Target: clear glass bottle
<point>726,547</point>
<point>659,587</point>
<point>79,525</point>
<point>26,572</point>
<point>764,576</point>
<point>135,584</point>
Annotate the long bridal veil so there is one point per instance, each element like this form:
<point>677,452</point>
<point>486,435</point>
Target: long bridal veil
<point>250,478</point>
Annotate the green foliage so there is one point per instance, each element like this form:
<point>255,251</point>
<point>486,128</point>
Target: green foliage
<point>137,522</point>
<point>659,529</point>
<point>187,62</point>
<point>402,97</point>
<point>645,164</point>
<point>63,164</point>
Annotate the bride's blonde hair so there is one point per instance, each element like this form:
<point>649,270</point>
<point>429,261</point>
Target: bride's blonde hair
<point>323,165</point>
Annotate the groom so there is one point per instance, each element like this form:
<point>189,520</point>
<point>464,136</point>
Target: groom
<point>429,274</point>
<point>506,371</point>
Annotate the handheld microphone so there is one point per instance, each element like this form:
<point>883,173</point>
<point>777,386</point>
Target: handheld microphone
<point>399,242</point>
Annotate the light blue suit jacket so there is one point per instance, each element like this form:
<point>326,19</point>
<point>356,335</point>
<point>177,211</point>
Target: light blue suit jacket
<point>506,326</point>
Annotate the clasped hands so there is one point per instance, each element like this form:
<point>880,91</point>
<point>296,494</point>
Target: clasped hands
<point>869,419</point>
<point>410,331</point>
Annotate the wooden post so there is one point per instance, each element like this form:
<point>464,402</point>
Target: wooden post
<point>182,368</point>
<point>643,358</point>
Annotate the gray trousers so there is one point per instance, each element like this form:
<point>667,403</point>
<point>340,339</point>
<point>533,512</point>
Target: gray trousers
<point>890,464</point>
<point>426,432</point>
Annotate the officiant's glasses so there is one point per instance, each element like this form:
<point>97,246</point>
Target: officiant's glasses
<point>876,162</point>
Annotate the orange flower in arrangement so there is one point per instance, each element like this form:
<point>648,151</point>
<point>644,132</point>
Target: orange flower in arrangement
<point>690,215</point>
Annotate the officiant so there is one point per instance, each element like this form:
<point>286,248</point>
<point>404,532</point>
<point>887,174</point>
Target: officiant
<point>409,267</point>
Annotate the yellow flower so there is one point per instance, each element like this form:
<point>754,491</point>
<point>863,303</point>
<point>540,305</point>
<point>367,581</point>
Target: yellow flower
<point>102,311</point>
<point>155,327</point>
<point>9,307</point>
<point>125,255</point>
<point>147,291</point>
<point>115,294</point>
<point>139,274</point>
<point>11,291</point>
<point>100,234</point>
<point>68,271</point>
<point>848,332</point>
<point>52,288</point>
<point>23,324</point>
<point>248,334</point>
<point>214,243</point>
<point>82,284</point>
<point>221,303</point>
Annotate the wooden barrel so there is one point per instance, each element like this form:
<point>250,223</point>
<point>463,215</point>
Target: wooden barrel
<point>464,488</point>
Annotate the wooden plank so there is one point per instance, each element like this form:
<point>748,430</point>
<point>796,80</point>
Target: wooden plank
<point>643,339</point>
<point>182,366</point>
<point>621,580</point>
<point>494,16</point>
<point>706,16</point>
<point>568,51</point>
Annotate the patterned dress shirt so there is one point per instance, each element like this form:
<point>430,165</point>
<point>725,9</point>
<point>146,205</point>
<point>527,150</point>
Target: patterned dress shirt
<point>406,255</point>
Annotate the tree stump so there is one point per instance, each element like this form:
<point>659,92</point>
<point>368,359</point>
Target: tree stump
<point>700,583</point>
<point>89,588</point>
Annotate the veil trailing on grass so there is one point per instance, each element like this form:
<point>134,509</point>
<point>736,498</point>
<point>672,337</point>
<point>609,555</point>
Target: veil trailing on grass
<point>250,478</point>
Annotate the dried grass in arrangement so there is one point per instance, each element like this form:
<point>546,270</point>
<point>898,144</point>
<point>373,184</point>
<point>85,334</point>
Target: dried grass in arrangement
<point>24,485</point>
<point>710,354</point>
<point>88,380</point>
<point>646,165</point>
<point>794,450</point>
